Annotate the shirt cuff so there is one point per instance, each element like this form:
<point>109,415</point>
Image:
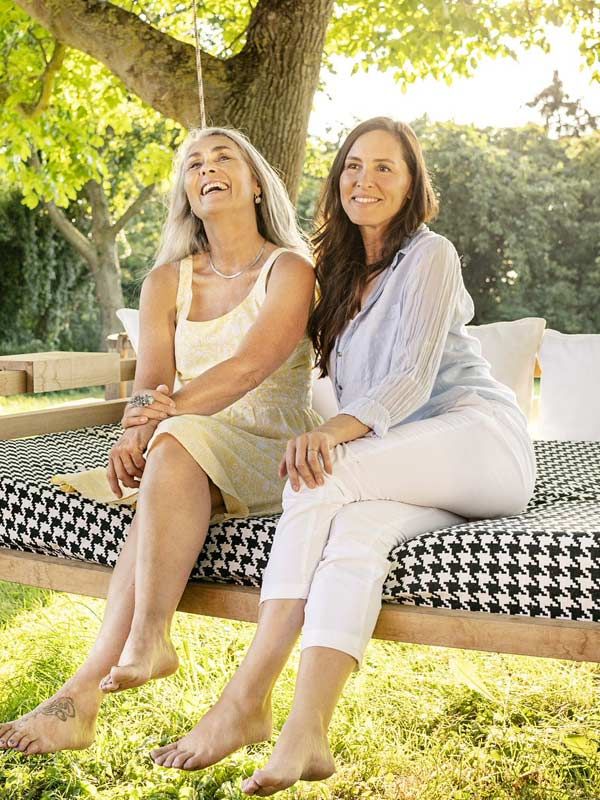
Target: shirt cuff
<point>370,413</point>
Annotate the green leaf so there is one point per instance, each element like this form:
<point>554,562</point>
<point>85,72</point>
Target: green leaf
<point>464,672</point>
<point>581,746</point>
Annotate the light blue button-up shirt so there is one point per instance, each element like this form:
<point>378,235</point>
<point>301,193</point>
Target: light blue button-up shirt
<point>407,354</point>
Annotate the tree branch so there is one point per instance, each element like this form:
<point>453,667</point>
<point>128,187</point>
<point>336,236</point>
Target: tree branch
<point>52,68</point>
<point>75,238</point>
<point>63,224</point>
<point>133,209</point>
<point>144,58</point>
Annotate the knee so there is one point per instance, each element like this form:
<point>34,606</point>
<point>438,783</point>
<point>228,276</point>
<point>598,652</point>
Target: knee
<point>352,538</point>
<point>340,487</point>
<point>166,445</point>
<point>167,457</point>
<point>305,496</point>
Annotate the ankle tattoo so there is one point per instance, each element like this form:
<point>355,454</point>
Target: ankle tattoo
<point>62,708</point>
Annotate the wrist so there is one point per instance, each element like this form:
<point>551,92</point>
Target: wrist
<point>331,434</point>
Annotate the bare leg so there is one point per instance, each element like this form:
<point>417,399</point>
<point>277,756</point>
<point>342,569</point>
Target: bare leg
<point>174,511</point>
<point>302,751</point>
<point>67,721</point>
<point>242,714</point>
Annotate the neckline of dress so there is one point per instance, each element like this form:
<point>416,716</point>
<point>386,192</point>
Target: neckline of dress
<point>267,263</point>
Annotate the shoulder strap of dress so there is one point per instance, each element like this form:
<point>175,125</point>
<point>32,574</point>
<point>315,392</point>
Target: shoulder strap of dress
<point>261,282</point>
<point>184,287</point>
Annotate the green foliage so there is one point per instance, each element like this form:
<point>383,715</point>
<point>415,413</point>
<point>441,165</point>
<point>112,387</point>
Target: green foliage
<point>446,38</point>
<point>46,294</point>
<point>415,723</point>
<point>91,127</point>
<point>523,212</point>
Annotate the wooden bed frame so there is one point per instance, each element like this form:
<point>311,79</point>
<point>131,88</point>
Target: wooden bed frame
<point>43,372</point>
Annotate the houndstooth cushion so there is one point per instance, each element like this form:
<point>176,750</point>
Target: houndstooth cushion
<point>541,563</point>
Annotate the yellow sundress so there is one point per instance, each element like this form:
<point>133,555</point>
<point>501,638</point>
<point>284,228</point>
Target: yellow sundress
<point>241,446</point>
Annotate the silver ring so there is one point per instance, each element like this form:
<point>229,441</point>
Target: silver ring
<point>141,400</point>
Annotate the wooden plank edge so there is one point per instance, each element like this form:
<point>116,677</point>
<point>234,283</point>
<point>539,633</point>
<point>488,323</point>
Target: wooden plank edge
<point>469,630</point>
<point>14,382</point>
<point>63,418</point>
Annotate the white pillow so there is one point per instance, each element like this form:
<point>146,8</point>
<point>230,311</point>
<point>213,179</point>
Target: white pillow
<point>570,387</point>
<point>324,401</point>
<point>511,349</point>
<point>130,317</point>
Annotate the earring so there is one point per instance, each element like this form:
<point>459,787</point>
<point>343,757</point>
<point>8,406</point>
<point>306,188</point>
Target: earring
<point>258,198</point>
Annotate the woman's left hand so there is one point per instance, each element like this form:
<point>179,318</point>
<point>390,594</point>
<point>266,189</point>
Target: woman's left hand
<point>162,406</point>
<point>305,457</point>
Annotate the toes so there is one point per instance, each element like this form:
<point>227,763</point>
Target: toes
<point>169,758</point>
<point>33,748</point>
<point>114,681</point>
<point>180,759</point>
<point>24,743</point>
<point>15,738</point>
<point>8,731</point>
<point>250,786</point>
<point>195,762</point>
<point>159,751</point>
<point>105,684</point>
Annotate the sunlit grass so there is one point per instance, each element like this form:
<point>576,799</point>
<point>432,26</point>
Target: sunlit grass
<point>14,404</point>
<point>416,723</point>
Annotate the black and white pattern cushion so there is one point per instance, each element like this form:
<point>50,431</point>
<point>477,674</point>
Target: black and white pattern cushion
<point>566,471</point>
<point>542,563</point>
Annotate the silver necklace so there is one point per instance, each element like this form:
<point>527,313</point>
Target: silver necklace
<point>237,274</point>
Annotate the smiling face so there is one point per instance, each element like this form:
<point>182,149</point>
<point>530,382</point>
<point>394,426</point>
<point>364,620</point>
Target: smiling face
<point>375,180</point>
<point>218,177</point>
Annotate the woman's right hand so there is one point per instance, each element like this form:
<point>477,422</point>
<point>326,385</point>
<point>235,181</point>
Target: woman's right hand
<point>126,460</point>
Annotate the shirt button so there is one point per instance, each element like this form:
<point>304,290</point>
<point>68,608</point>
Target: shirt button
<point>339,353</point>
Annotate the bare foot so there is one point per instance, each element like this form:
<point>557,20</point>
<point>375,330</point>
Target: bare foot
<point>145,657</point>
<point>301,753</point>
<point>227,726</point>
<point>67,721</point>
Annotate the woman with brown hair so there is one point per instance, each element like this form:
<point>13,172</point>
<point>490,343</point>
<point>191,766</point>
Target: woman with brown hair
<point>424,438</point>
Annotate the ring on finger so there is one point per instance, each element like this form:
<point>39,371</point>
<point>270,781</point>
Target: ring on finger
<point>141,400</point>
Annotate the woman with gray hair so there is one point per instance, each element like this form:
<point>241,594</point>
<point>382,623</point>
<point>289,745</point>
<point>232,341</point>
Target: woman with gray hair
<point>224,312</point>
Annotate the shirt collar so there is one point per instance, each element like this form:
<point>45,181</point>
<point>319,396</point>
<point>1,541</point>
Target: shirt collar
<point>408,242</point>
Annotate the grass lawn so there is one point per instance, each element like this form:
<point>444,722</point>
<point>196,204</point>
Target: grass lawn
<point>416,723</point>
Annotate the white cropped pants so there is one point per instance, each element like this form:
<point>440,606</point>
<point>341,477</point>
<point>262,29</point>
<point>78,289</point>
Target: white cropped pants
<point>332,542</point>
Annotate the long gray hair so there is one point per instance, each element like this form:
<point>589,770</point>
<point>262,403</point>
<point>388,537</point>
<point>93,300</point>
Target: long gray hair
<point>183,233</point>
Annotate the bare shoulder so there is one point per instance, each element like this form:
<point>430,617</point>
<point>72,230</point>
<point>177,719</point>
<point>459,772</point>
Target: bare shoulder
<point>293,266</point>
<point>160,284</point>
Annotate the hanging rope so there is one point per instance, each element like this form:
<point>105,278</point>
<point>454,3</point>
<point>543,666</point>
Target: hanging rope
<point>199,70</point>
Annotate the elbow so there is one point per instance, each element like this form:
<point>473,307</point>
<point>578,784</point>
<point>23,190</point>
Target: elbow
<point>249,375</point>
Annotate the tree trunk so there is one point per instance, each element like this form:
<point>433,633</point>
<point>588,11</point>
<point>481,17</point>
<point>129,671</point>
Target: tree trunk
<point>105,267</point>
<point>266,90</point>
<point>107,278</point>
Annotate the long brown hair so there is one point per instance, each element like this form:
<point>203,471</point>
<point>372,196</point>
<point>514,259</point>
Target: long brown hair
<point>340,258</point>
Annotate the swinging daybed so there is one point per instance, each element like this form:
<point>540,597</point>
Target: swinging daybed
<point>527,584</point>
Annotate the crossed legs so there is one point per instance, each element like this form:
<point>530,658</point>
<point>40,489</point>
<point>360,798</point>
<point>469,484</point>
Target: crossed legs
<point>133,645</point>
